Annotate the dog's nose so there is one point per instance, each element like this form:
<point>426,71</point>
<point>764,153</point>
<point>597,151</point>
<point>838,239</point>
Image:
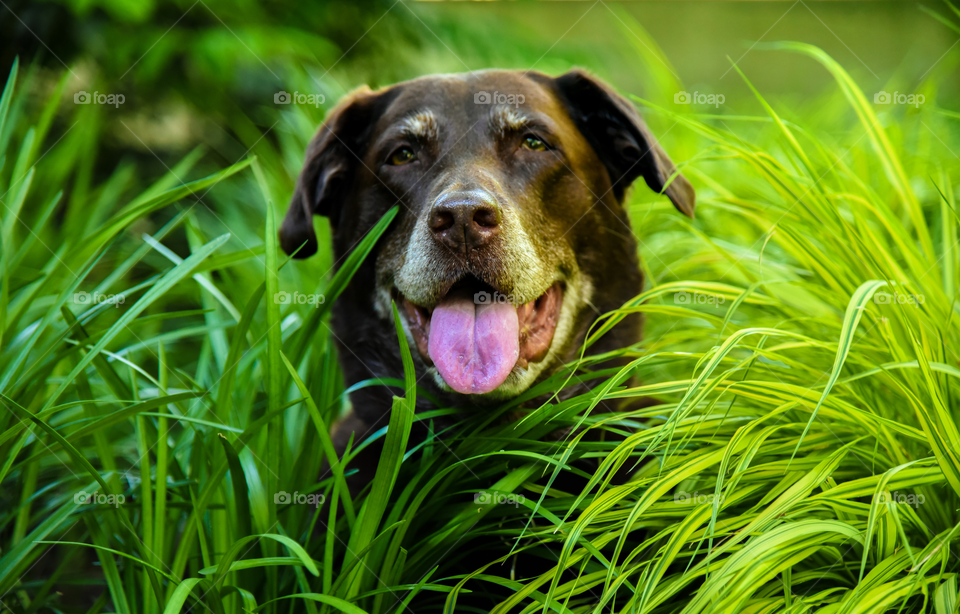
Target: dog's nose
<point>466,221</point>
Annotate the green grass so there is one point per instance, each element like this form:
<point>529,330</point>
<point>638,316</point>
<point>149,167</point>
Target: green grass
<point>803,452</point>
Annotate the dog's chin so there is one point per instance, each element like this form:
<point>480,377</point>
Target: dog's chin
<point>483,321</point>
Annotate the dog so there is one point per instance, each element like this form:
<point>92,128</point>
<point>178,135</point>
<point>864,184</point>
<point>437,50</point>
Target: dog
<point>511,237</point>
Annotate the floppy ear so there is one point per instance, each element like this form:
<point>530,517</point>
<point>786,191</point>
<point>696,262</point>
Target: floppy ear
<point>332,158</point>
<point>621,139</point>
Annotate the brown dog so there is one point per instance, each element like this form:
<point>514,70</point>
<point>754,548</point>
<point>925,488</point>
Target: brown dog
<point>511,237</point>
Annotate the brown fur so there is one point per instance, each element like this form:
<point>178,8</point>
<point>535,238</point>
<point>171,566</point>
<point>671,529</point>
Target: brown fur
<point>567,201</point>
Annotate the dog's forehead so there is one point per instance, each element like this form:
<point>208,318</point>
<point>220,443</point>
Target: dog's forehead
<point>471,98</point>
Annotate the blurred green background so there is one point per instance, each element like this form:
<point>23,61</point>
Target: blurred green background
<point>203,72</point>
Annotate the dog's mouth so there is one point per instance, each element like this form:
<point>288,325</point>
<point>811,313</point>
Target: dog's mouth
<point>476,336</point>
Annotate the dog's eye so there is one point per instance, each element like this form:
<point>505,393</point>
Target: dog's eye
<point>533,143</point>
<point>402,156</point>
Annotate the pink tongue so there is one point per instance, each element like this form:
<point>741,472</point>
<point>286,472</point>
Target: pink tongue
<point>474,346</point>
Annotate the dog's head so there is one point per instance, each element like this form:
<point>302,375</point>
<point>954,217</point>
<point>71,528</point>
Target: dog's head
<point>510,238</point>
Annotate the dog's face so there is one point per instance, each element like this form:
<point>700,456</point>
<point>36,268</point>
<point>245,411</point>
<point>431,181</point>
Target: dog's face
<point>510,237</point>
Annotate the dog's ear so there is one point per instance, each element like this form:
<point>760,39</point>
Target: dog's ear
<point>332,157</point>
<point>620,138</point>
